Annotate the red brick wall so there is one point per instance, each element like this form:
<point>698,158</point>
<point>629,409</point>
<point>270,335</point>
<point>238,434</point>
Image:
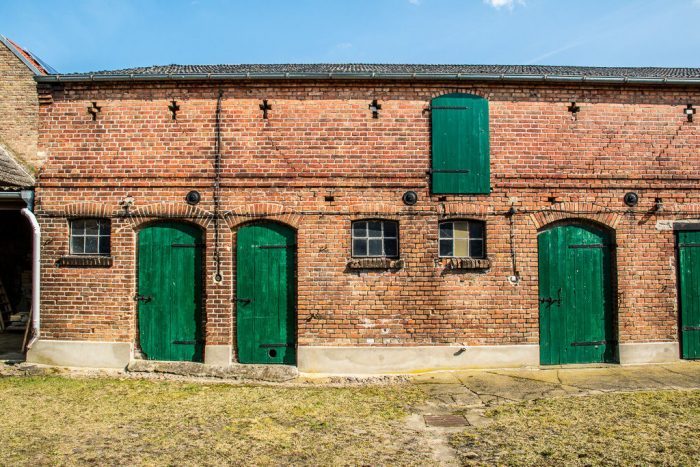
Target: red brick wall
<point>320,140</point>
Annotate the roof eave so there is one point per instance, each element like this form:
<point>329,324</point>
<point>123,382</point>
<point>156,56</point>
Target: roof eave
<point>365,76</point>
<point>21,56</point>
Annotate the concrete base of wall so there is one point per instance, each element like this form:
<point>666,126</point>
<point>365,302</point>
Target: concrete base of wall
<point>218,355</point>
<point>347,360</point>
<point>384,360</point>
<point>81,353</point>
<point>649,352</point>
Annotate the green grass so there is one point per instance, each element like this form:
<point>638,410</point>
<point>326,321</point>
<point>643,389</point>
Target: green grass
<point>644,428</point>
<point>50,420</point>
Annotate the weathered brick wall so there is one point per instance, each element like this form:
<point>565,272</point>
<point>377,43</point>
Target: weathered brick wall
<point>19,109</point>
<point>320,140</point>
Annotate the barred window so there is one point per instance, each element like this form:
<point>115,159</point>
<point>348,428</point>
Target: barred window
<point>462,239</point>
<point>375,238</point>
<point>90,237</point>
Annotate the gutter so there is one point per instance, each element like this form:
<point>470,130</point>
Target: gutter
<point>57,78</point>
<point>36,273</point>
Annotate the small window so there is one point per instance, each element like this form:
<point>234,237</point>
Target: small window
<point>89,237</point>
<point>462,239</point>
<point>375,238</point>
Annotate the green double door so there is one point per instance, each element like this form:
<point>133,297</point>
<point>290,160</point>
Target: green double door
<point>689,277</point>
<point>170,292</point>
<point>266,294</point>
<point>575,296</point>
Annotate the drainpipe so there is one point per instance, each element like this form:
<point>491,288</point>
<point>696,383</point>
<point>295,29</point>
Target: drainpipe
<point>36,271</point>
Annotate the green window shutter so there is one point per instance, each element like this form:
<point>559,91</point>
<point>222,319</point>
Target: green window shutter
<point>460,145</point>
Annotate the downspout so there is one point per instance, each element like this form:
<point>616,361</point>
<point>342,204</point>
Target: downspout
<point>36,271</point>
<point>217,188</point>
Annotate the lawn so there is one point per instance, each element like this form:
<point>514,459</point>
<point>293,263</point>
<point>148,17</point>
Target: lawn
<point>644,428</point>
<point>55,420</point>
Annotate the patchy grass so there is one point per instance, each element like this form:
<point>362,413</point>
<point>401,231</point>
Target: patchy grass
<point>644,428</point>
<point>54,420</point>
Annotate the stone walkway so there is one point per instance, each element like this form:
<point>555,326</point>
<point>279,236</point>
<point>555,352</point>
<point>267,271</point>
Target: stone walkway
<point>460,398</point>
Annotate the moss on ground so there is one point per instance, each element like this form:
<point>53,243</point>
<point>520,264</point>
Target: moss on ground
<point>643,428</point>
<point>54,420</point>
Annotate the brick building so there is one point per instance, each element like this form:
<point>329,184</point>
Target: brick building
<point>369,218</point>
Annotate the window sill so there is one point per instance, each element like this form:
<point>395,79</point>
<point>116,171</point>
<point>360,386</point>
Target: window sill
<point>465,263</point>
<point>87,261</point>
<point>375,263</point>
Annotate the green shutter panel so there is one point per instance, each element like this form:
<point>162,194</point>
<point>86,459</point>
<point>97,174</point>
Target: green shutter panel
<point>460,145</point>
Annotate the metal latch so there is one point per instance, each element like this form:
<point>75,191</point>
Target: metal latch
<point>550,300</point>
<point>142,298</point>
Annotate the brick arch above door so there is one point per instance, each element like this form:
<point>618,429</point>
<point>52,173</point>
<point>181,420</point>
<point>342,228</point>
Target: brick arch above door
<point>141,215</point>
<point>257,211</point>
<point>576,210</point>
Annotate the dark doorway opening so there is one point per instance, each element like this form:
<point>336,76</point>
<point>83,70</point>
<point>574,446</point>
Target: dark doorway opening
<point>15,283</point>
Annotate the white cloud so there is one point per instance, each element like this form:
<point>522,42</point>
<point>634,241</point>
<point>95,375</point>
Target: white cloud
<point>498,4</point>
<point>696,3</point>
<point>417,2</point>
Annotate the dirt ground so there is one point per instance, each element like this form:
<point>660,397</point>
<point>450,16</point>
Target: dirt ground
<point>646,415</point>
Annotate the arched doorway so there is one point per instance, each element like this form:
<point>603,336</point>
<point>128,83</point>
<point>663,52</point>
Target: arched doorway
<point>170,292</point>
<point>576,307</point>
<point>266,293</point>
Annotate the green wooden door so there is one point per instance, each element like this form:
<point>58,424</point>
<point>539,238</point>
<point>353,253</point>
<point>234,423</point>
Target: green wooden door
<point>170,292</point>
<point>266,294</point>
<point>575,296</point>
<point>689,275</point>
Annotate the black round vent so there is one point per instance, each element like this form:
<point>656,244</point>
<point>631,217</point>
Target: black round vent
<point>631,199</point>
<point>193,197</point>
<point>410,198</point>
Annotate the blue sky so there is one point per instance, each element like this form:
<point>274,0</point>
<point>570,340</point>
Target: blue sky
<point>85,35</point>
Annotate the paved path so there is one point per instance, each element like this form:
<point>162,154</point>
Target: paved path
<point>470,393</point>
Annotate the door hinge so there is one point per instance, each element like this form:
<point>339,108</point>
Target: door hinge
<point>269,346</point>
<point>194,342</point>
<point>448,171</point>
<point>142,298</point>
<point>187,245</point>
<point>592,245</point>
<point>596,343</point>
<point>448,107</point>
<point>691,328</point>
<point>244,300</point>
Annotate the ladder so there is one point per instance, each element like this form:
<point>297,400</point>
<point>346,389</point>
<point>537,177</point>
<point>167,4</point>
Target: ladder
<point>5,307</point>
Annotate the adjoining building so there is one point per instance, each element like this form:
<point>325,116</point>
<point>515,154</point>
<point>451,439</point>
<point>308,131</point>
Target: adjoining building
<point>19,159</point>
<point>369,218</point>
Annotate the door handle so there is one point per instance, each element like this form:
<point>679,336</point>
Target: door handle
<point>142,298</point>
<point>244,300</point>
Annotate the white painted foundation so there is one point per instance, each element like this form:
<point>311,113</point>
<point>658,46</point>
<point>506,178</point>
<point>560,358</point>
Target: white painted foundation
<point>81,353</point>
<point>649,352</point>
<point>384,360</point>
<point>218,355</point>
<point>347,360</point>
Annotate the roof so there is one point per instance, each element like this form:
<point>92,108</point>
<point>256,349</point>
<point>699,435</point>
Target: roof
<point>642,75</point>
<point>12,174</point>
<point>34,63</point>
